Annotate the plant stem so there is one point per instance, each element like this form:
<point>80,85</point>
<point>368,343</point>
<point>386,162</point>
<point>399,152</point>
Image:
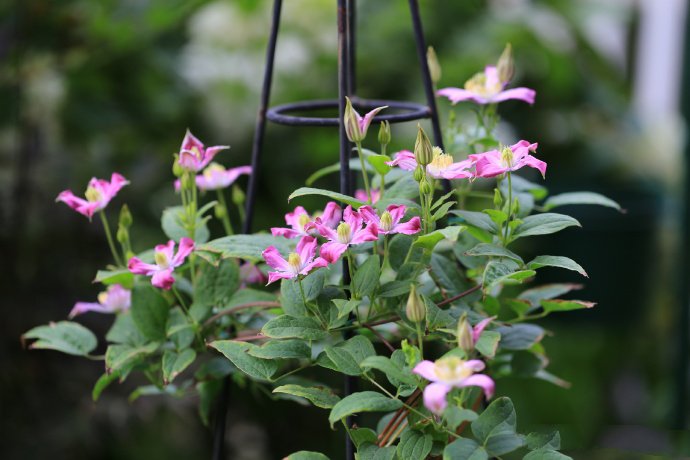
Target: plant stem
<point>109,236</point>
<point>226,217</point>
<point>315,312</point>
<point>364,171</point>
<point>510,209</point>
<point>183,305</point>
<point>420,338</point>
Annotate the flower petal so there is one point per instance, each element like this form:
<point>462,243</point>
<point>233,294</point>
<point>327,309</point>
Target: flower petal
<point>535,163</point>
<point>186,247</point>
<point>286,232</point>
<point>136,266</point>
<point>163,279</point>
<point>435,397</point>
<point>475,365</point>
<point>274,260</point>
<point>306,248</point>
<point>82,307</point>
<point>275,276</point>
<point>426,369</point>
<point>456,95</point>
<point>332,251</point>
<point>522,94</point>
<point>479,328</point>
<point>404,159</point>
<point>190,141</point>
<point>368,233</point>
<point>480,380</point>
<point>410,227</point>
<point>331,214</point>
<point>368,214</point>
<point>366,121</point>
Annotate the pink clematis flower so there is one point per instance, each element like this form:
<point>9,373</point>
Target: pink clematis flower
<point>361,195</point>
<point>215,177</point>
<point>494,163</point>
<point>448,373</point>
<point>301,222</point>
<point>114,299</point>
<point>348,232</point>
<point>441,166</point>
<point>194,156</point>
<point>389,222</point>
<point>479,328</point>
<point>487,88</point>
<point>165,262</point>
<point>98,195</point>
<point>300,262</point>
<point>356,126</point>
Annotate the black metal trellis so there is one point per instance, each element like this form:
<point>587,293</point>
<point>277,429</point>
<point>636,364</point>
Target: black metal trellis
<point>283,114</point>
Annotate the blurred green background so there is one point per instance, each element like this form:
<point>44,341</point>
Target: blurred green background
<point>90,87</point>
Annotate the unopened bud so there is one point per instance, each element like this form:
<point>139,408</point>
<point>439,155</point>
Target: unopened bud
<point>418,173</point>
<point>506,65</point>
<point>219,211</point>
<point>464,334</point>
<point>385,133</point>
<point>425,187</point>
<point>352,129</point>
<point>423,150</point>
<point>386,221</point>
<point>415,309</point>
<point>125,216</point>
<point>122,235</point>
<point>516,207</point>
<point>498,199</point>
<point>188,182</point>
<point>434,66</point>
<point>237,195</point>
<point>177,170</point>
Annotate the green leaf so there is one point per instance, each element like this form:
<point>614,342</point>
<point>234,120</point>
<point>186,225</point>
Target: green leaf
<point>398,248</point>
<point>345,307</point>
<point>454,416</point>
<point>123,277</point>
<point>238,353</point>
<point>306,455</point>
<point>435,317</point>
<point>394,289</point>
<point>430,240</point>
<point>303,191</point>
<point>414,445</point>
<point>405,188</point>
<point>282,349</point>
<point>556,261</point>
<point>545,454</point>
<point>478,220</point>
<point>379,163</point>
<point>364,401</point>
<point>179,329</point>
<point>488,343</point>
<point>64,336</point>
<point>491,250</point>
<point>366,277</point>
<point>216,285</point>
<point>172,223</point>
<point>495,428</point>
<point>547,291</point>
<point>544,224</point>
<point>361,435</point>
<point>343,361</point>
<point>319,396</point>
<point>442,211</point>
<point>571,198</point>
<point>550,440</point>
<point>102,383</point>
<point>291,298</point>
<point>504,272</point>
<point>446,272</point>
<point>174,363</point>
<point>150,312</point>
<point>390,369</point>
<point>520,336</point>
<point>247,247</point>
<point>369,451</point>
<point>358,348</point>
<point>464,449</point>
<point>553,305</point>
<point>120,357</point>
<point>288,327</point>
<point>124,331</point>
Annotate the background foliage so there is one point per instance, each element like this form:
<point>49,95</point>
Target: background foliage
<point>111,85</point>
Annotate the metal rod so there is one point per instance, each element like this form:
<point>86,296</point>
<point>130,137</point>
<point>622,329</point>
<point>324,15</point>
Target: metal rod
<point>351,47</point>
<point>344,71</point>
<point>426,78</point>
<point>257,145</point>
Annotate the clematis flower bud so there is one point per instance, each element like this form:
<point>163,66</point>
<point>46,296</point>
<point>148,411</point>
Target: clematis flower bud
<point>415,310</point>
<point>434,66</point>
<point>125,217</point>
<point>386,222</point>
<point>385,133</point>
<point>506,65</point>
<point>464,334</point>
<point>352,129</point>
<point>423,150</point>
<point>418,173</point>
<point>498,198</point>
<point>425,187</point>
<point>237,196</point>
<point>122,235</point>
<point>177,170</point>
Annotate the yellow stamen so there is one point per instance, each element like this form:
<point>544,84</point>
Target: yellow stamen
<point>102,297</point>
<point>386,221</point>
<point>344,230</point>
<point>294,261</point>
<point>478,85</point>
<point>507,157</point>
<point>92,194</point>
<point>451,369</point>
<point>302,220</point>
<point>441,160</point>
<point>161,259</point>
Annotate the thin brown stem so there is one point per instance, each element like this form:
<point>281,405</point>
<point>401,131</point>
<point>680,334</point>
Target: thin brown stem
<point>228,311</point>
<point>250,338</point>
<point>459,296</point>
<point>397,419</point>
<point>381,338</point>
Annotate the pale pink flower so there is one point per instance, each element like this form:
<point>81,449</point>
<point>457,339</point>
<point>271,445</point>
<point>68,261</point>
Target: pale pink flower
<point>166,260</point>
<point>361,195</point>
<point>113,300</point>
<point>389,222</point>
<point>494,162</point>
<point>348,232</point>
<point>441,166</point>
<point>302,224</point>
<point>487,88</point>
<point>98,195</point>
<point>448,373</point>
<point>194,156</point>
<point>215,177</point>
<point>300,262</point>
